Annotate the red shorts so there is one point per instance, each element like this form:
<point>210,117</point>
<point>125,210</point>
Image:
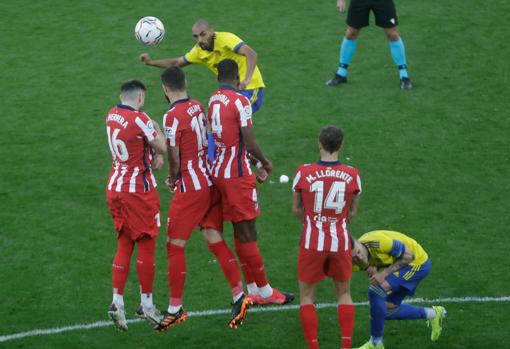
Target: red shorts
<point>313,266</point>
<point>214,217</point>
<point>135,214</point>
<point>238,198</point>
<point>187,210</point>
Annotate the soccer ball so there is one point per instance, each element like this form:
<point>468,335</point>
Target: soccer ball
<point>149,31</point>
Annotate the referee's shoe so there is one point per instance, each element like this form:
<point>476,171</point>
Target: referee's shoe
<point>336,80</point>
<point>405,84</point>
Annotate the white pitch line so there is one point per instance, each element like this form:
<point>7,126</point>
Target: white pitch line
<point>97,324</point>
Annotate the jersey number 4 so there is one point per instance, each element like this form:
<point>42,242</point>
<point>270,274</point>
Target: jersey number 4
<point>335,199</point>
<point>216,120</point>
<point>117,146</point>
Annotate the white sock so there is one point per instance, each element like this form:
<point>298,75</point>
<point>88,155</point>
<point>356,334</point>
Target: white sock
<point>118,299</point>
<point>237,296</point>
<point>376,341</point>
<point>146,300</point>
<point>172,309</point>
<point>430,313</point>
<point>266,291</point>
<point>253,290</point>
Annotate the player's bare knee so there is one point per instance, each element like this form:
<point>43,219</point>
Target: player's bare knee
<point>392,34</point>
<point>352,33</point>
<point>212,235</point>
<point>245,231</point>
<point>177,242</point>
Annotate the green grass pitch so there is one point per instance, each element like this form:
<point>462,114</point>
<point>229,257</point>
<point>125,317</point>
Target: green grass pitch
<point>434,162</point>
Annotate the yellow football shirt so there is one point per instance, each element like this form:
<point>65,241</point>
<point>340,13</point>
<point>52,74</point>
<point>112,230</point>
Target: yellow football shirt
<point>380,243</point>
<point>226,45</point>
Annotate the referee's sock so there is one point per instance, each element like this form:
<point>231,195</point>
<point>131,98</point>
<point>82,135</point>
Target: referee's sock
<point>347,50</point>
<point>398,53</point>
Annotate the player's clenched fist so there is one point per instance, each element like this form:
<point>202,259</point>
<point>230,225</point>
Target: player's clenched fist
<point>144,57</point>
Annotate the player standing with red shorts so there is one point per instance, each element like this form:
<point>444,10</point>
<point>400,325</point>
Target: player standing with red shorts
<point>325,198</point>
<point>185,130</point>
<point>132,198</point>
<point>229,117</point>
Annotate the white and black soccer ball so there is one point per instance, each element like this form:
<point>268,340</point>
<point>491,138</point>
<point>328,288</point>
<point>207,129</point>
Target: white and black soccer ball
<point>149,31</point>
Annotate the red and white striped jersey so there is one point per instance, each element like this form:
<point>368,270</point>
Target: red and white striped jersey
<point>326,190</point>
<point>228,112</point>
<point>185,127</point>
<point>129,132</point>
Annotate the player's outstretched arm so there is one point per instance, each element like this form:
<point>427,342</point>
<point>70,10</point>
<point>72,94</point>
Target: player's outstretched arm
<point>254,149</point>
<point>158,143</point>
<point>162,63</point>
<point>297,206</point>
<point>251,63</point>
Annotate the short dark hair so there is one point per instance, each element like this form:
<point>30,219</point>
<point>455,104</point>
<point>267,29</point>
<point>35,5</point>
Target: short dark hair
<point>174,79</point>
<point>331,138</point>
<point>132,85</point>
<point>227,70</point>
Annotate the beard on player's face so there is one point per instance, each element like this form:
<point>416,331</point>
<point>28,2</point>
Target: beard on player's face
<point>208,45</point>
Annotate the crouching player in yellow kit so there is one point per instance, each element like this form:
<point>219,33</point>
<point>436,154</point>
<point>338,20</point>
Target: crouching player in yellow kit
<point>395,265</point>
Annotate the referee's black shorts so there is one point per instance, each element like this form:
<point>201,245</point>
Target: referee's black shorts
<point>384,12</point>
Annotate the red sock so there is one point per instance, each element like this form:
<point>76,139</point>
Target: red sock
<point>120,268</point>
<point>248,277</point>
<point>228,265</point>
<point>176,273</point>
<point>310,325</point>
<point>249,252</point>
<point>145,263</point>
<point>346,324</point>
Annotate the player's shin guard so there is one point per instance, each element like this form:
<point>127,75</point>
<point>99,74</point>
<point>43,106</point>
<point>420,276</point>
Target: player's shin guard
<point>398,53</point>
<point>406,312</point>
<point>176,273</point>
<point>145,264</point>
<point>376,298</point>
<point>228,265</point>
<point>345,314</point>
<point>120,268</point>
<point>248,276</point>
<point>249,253</point>
<point>310,325</point>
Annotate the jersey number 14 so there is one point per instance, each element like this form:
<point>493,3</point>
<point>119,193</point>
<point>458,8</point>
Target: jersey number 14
<point>335,199</point>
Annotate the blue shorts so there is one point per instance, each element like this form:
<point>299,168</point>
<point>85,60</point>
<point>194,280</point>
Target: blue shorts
<point>256,97</point>
<point>405,283</point>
